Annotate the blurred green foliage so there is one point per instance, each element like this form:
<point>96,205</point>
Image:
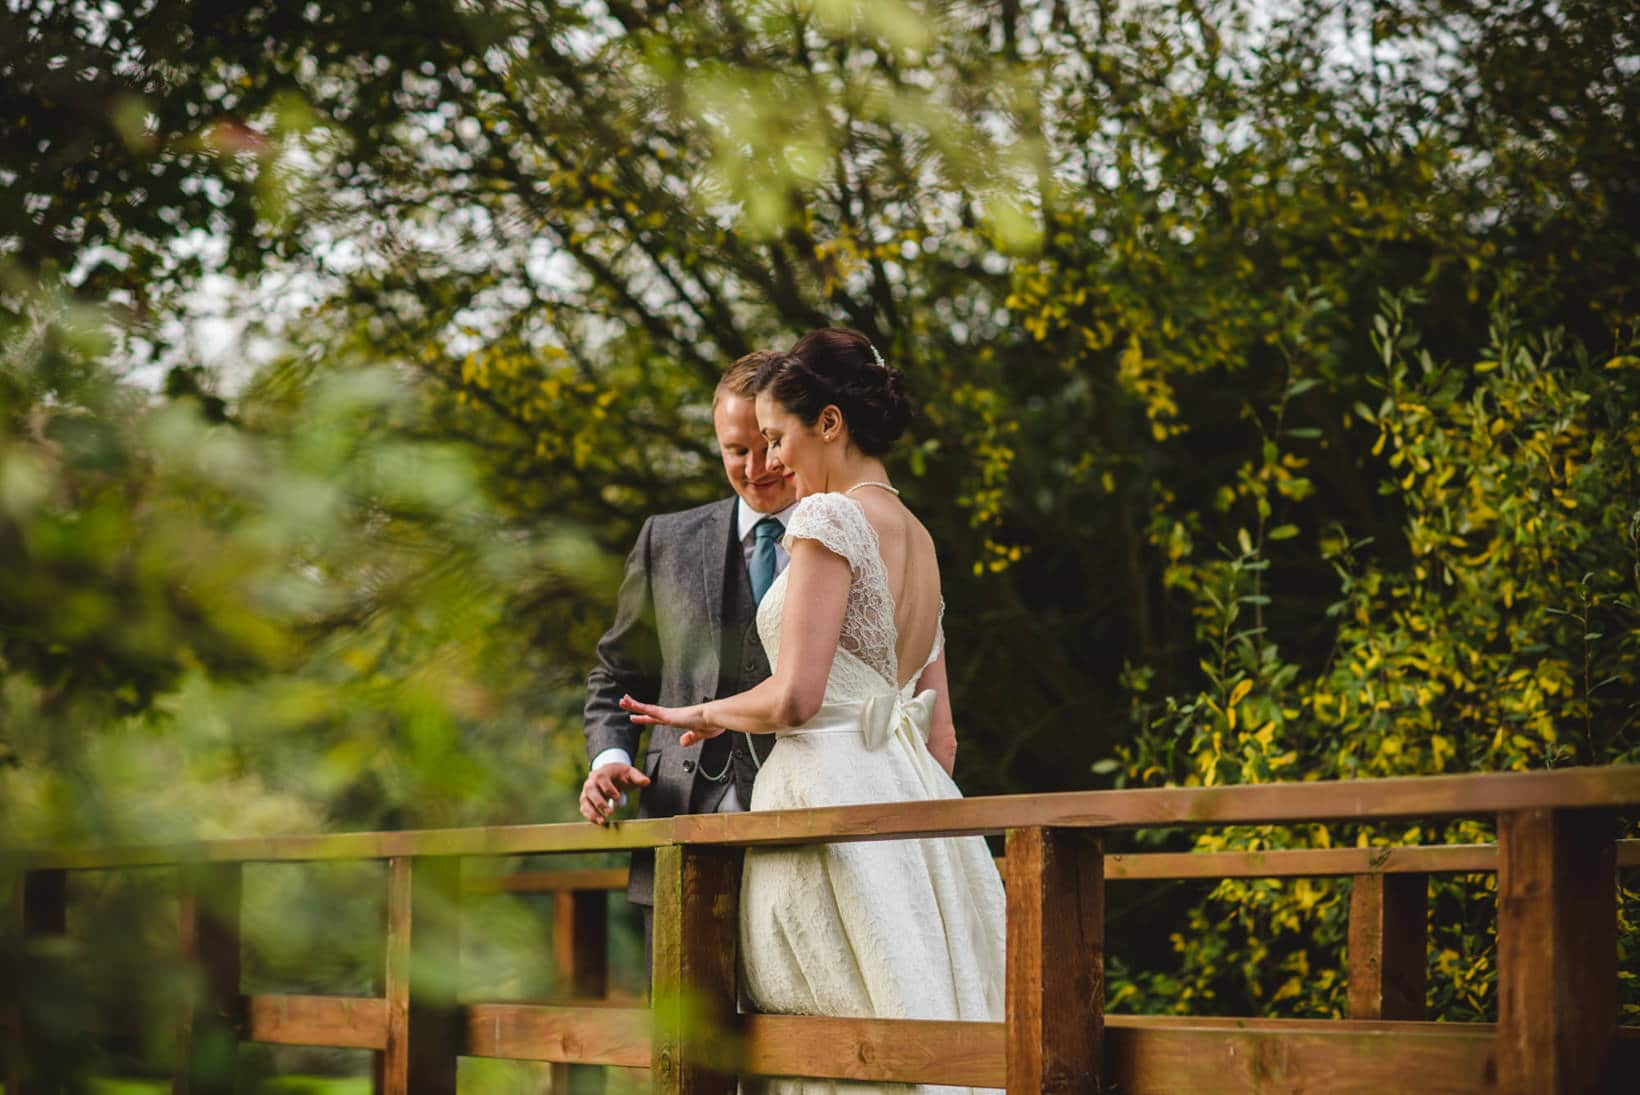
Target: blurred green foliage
<point>1277,363</point>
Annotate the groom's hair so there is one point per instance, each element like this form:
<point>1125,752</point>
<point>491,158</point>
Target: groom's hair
<point>741,377</point>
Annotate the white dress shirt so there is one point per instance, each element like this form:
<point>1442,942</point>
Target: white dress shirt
<point>746,519</point>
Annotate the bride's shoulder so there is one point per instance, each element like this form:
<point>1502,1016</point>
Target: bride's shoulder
<point>837,522</point>
<point>827,505</point>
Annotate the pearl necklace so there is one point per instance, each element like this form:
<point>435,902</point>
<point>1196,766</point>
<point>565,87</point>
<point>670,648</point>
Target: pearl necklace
<point>872,483</point>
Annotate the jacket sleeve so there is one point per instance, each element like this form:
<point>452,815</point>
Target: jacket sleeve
<point>628,659</point>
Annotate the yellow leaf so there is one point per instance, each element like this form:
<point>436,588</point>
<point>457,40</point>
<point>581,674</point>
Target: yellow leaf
<point>1239,693</point>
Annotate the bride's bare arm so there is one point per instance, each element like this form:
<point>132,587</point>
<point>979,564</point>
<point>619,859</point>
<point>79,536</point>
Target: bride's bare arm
<point>942,735</point>
<point>810,627</point>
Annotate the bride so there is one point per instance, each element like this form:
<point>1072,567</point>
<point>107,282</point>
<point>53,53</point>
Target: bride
<point>859,701</point>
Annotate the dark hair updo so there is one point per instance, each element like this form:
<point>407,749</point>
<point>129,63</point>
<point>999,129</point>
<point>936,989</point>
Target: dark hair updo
<point>837,366</point>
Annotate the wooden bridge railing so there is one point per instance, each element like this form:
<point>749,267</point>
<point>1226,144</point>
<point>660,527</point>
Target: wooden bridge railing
<point>1386,958</point>
<point>1557,1028</point>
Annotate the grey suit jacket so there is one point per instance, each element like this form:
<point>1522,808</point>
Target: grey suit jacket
<point>667,645</point>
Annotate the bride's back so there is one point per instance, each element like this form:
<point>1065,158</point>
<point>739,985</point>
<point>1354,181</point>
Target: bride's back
<point>913,573</point>
<point>833,385</point>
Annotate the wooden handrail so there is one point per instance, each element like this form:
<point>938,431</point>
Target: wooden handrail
<point>1426,859</point>
<point>1360,801</point>
<point>1556,862</point>
<point>1371,800</point>
<point>588,1033</point>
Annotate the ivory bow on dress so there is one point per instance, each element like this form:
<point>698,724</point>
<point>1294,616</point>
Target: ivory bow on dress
<point>883,715</point>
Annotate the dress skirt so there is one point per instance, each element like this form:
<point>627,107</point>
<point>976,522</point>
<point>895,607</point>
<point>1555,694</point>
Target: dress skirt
<point>891,929</point>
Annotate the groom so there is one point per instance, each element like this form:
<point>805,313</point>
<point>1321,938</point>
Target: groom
<point>685,632</point>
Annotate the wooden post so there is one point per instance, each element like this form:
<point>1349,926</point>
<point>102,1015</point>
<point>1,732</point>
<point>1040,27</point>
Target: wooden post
<point>1056,961</point>
<point>213,1017</point>
<point>39,911</point>
<point>1557,951</point>
<point>580,949</point>
<point>392,1073</point>
<point>696,1049</point>
<point>422,977</point>
<point>1387,951</point>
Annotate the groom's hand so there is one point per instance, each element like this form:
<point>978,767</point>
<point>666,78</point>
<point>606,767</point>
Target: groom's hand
<point>606,788</point>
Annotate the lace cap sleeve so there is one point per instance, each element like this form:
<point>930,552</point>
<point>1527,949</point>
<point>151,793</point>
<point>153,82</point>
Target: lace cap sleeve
<point>837,524</point>
<point>939,643</point>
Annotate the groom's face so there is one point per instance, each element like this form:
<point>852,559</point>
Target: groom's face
<point>745,455</point>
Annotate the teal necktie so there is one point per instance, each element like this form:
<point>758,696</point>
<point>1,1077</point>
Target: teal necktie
<point>761,568</point>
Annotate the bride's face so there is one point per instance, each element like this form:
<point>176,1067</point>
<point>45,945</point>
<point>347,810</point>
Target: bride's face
<point>796,450</point>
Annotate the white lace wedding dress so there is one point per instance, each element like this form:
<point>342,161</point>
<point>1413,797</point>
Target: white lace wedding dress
<point>892,929</point>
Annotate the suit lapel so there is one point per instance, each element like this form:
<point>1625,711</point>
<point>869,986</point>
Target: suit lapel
<point>714,557</point>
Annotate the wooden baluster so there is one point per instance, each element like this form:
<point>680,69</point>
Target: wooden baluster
<point>1056,961</point>
<point>1387,951</point>
<point>39,911</point>
<point>1557,951</point>
<point>392,1072</point>
<point>580,948</point>
<point>696,1048</point>
<point>214,1016</point>
<point>423,967</point>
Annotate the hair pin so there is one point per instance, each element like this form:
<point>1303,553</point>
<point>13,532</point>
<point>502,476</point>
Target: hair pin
<point>881,364</point>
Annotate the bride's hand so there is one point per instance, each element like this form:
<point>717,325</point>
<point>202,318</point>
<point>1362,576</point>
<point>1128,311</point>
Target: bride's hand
<point>691,720</point>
